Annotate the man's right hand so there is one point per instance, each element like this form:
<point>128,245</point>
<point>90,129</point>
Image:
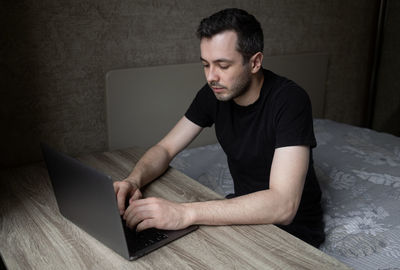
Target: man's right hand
<point>126,189</point>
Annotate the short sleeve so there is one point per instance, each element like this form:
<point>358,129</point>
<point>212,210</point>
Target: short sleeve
<point>293,118</point>
<point>202,109</point>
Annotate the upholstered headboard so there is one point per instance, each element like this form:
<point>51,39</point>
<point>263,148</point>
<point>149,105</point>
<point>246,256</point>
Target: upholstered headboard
<point>143,104</point>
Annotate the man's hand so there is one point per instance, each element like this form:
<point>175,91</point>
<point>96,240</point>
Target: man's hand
<point>126,189</point>
<point>157,213</point>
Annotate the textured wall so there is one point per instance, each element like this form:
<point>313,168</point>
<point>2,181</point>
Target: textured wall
<point>54,55</point>
<point>387,104</point>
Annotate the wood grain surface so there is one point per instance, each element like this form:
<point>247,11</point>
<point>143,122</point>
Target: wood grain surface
<point>34,235</point>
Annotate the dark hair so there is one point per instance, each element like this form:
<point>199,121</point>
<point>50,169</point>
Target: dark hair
<point>246,26</point>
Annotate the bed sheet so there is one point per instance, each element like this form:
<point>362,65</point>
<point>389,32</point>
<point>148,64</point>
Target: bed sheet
<point>359,173</point>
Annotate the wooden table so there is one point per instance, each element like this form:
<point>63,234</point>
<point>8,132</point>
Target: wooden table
<point>35,236</point>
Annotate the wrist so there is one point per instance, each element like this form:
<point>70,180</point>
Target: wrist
<point>133,181</point>
<point>190,214</point>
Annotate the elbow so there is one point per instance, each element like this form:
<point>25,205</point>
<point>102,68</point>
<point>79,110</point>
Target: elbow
<point>287,214</point>
<point>286,221</point>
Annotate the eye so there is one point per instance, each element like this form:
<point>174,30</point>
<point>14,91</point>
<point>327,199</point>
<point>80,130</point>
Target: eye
<point>205,65</point>
<point>224,65</point>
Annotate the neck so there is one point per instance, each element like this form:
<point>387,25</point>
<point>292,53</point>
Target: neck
<point>253,93</point>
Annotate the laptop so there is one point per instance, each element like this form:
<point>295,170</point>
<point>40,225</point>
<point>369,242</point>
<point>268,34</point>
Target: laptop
<point>86,197</point>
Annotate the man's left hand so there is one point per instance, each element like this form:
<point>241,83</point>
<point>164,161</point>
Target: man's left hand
<point>157,213</point>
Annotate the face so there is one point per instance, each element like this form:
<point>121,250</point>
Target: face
<point>223,65</point>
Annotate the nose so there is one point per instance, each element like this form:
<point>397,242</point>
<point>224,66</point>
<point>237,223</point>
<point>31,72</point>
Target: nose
<point>211,74</point>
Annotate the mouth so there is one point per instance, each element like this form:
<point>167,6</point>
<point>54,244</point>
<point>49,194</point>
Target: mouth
<point>218,89</point>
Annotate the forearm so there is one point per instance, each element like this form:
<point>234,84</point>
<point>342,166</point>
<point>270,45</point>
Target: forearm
<point>263,207</point>
<point>156,160</point>
<point>151,165</point>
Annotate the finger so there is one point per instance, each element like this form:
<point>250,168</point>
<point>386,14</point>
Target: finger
<point>121,198</point>
<point>136,216</point>
<point>116,186</point>
<point>140,202</point>
<point>135,208</point>
<point>145,224</point>
<point>136,196</point>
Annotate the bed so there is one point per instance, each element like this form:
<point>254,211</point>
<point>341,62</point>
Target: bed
<point>358,169</point>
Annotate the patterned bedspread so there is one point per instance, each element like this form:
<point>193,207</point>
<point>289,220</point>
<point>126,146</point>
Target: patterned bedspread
<point>359,173</point>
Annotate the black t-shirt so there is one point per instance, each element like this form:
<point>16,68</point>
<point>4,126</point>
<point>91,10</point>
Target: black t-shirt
<point>280,117</point>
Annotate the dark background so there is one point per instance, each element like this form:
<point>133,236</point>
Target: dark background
<point>54,55</point>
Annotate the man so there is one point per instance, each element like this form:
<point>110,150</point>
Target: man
<point>264,124</point>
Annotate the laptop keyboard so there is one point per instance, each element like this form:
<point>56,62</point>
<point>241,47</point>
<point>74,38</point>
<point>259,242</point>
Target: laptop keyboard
<point>149,237</point>
<point>143,239</point>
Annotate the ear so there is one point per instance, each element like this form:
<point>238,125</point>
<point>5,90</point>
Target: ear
<point>256,62</point>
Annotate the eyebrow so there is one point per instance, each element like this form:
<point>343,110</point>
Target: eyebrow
<point>220,60</point>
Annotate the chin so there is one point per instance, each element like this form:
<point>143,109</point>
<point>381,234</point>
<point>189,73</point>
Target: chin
<point>223,97</point>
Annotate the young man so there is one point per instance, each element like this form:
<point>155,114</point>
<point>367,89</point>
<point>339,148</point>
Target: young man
<point>264,124</point>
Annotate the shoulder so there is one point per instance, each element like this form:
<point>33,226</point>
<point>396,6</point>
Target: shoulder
<point>287,99</point>
<point>287,92</point>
